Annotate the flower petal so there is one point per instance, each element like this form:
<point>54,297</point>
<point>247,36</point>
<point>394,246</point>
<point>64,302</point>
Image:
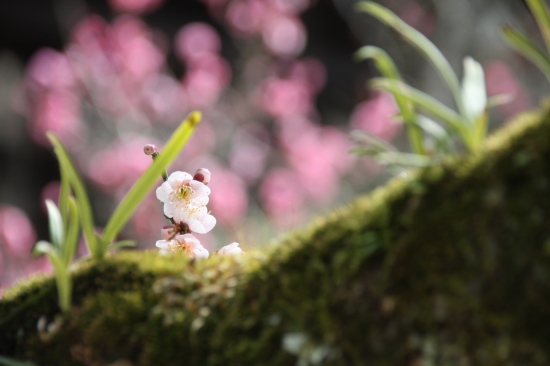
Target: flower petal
<point>164,191</point>
<point>180,176</point>
<point>168,209</point>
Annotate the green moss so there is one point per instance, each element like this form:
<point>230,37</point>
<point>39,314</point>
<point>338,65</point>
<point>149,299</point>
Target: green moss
<point>448,266</point>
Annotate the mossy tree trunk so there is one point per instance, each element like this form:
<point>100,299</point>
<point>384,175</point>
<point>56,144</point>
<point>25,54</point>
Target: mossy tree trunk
<point>448,267</point>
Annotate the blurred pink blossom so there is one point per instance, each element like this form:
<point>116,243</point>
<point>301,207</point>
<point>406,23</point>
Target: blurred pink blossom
<point>289,6</point>
<point>135,6</point>
<point>148,218</point>
<point>417,17</point>
<point>376,116</point>
<point>310,70</point>
<point>138,55</point>
<point>50,69</point>
<point>203,89</point>
<point>213,64</point>
<point>17,235</point>
<point>246,17</point>
<point>117,167</point>
<point>228,199</point>
<point>248,157</point>
<point>500,79</point>
<point>164,99</point>
<point>50,192</point>
<point>319,156</point>
<point>284,36</point>
<point>283,98</point>
<point>196,39</point>
<point>57,111</point>
<point>92,35</point>
<point>282,197</point>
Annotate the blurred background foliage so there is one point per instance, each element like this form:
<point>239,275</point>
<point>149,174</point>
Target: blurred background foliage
<point>275,80</point>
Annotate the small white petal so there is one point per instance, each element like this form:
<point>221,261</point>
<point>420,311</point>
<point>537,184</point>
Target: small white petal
<point>199,188</point>
<point>164,191</point>
<point>162,244</point>
<point>168,209</point>
<point>179,176</point>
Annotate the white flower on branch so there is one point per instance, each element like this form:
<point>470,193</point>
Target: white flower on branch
<point>197,218</point>
<point>181,190</point>
<point>186,244</point>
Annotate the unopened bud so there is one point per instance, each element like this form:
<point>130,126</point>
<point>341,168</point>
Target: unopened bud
<point>202,175</point>
<point>168,232</point>
<point>150,149</point>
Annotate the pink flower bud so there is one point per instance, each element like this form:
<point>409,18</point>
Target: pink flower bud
<point>202,175</point>
<point>168,232</point>
<point>150,149</point>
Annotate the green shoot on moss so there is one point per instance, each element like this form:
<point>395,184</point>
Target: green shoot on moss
<point>469,124</point>
<point>61,251</point>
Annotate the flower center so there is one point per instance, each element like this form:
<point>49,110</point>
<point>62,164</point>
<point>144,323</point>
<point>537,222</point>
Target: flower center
<point>183,193</point>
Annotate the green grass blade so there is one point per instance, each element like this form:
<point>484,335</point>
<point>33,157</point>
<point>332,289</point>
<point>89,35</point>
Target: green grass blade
<point>499,99</point>
<point>71,241</point>
<point>521,43</point>
<point>122,244</point>
<point>538,9</point>
<point>421,43</point>
<point>403,159</point>
<point>433,107</point>
<point>387,68</point>
<point>369,144</point>
<point>5,361</point>
<point>55,222</point>
<point>128,205</point>
<point>82,200</point>
<point>62,277</point>
<point>64,196</point>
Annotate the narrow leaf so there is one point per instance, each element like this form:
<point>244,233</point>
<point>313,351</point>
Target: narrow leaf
<point>71,241</point>
<point>371,142</point>
<point>57,231</point>
<point>521,43</point>
<point>421,43</point>
<point>64,196</point>
<point>499,99</point>
<point>128,205</point>
<point>82,201</point>
<point>540,13</point>
<point>387,68</point>
<point>5,361</point>
<point>62,277</point>
<point>403,159</point>
<point>427,103</point>
<point>122,244</point>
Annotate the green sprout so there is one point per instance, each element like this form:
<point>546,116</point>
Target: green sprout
<point>430,124</point>
<point>65,220</point>
<point>521,42</point>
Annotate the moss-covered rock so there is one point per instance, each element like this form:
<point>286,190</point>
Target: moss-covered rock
<point>449,266</point>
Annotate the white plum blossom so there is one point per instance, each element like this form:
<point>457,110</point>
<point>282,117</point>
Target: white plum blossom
<point>186,244</point>
<point>230,249</point>
<point>181,192</point>
<point>196,218</point>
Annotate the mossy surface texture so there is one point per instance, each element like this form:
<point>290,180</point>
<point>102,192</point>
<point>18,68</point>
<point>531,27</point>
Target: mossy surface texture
<point>449,266</point>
